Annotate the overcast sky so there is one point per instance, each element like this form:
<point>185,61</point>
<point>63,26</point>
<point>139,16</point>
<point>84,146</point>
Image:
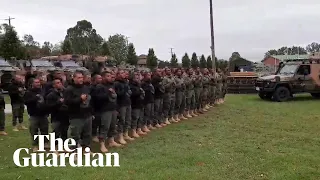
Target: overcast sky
<point>250,27</point>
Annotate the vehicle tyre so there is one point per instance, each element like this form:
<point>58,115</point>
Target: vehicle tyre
<point>315,95</point>
<point>265,96</point>
<point>281,94</point>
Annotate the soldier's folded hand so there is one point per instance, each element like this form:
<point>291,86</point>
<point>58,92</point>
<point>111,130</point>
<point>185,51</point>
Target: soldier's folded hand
<point>83,97</point>
<point>61,100</point>
<point>111,90</point>
<point>20,89</point>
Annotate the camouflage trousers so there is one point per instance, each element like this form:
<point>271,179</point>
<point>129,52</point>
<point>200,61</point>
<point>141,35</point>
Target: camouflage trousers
<point>204,96</point>
<point>39,124</point>
<point>60,128</point>
<point>166,105</point>
<point>17,113</point>
<point>81,131</point>
<point>180,102</point>
<point>107,125</point>
<point>158,111</point>
<point>172,104</point>
<point>225,89</point>
<point>2,119</point>
<point>190,100</point>
<point>220,90</point>
<point>137,118</point>
<point>124,116</point>
<point>148,114</point>
<point>198,97</point>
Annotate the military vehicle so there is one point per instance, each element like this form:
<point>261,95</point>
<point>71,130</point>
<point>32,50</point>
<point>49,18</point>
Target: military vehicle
<point>292,77</point>
<point>69,66</point>
<point>7,72</point>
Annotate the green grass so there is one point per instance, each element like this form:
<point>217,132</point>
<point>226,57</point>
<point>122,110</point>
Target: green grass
<point>245,138</point>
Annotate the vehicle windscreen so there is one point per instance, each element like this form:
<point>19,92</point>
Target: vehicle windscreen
<point>69,64</point>
<point>288,69</point>
<point>41,63</point>
<point>4,63</point>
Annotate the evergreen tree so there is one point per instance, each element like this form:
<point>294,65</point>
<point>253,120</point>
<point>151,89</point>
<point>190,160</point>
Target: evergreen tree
<point>209,62</point>
<point>194,61</point>
<point>152,60</point>
<point>10,45</point>
<point>203,61</point>
<point>105,50</point>
<point>66,47</point>
<point>174,61</point>
<point>186,61</point>
<point>132,57</point>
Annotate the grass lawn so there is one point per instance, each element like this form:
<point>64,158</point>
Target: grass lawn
<point>245,138</point>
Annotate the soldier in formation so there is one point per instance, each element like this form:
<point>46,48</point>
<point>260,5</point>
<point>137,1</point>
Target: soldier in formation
<point>116,106</point>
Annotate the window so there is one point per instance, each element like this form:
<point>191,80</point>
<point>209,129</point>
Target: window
<point>303,70</point>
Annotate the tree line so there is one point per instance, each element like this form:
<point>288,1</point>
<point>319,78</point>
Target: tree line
<point>84,39</point>
<point>285,50</point>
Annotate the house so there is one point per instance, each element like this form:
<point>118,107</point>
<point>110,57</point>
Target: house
<point>142,60</point>
<point>274,60</point>
<point>240,63</point>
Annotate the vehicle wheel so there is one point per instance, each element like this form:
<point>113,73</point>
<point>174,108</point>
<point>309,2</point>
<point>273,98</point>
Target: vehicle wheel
<point>281,94</point>
<point>315,95</point>
<point>265,96</point>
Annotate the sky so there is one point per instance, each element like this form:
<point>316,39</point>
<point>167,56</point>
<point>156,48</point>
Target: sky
<point>250,27</point>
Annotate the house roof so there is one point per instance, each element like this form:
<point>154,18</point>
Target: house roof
<point>290,57</point>
<point>142,62</point>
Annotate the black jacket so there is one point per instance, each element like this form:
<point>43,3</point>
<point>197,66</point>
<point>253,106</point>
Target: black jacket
<point>137,95</point>
<point>16,96</point>
<point>58,109</point>
<point>123,93</point>
<point>2,102</point>
<point>149,91</point>
<point>72,98</point>
<point>47,88</point>
<point>35,102</point>
<point>105,99</point>
<point>159,89</point>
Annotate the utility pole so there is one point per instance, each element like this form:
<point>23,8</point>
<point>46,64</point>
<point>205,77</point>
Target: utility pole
<point>212,38</point>
<point>171,51</point>
<point>9,19</point>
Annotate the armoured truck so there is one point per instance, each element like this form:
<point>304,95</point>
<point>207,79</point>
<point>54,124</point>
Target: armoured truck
<point>292,77</point>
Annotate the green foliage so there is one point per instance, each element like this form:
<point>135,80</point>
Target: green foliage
<point>83,38</point>
<point>203,62</point>
<point>313,47</point>
<point>105,51</point>
<point>186,62</point>
<point>46,48</point>
<point>118,46</point>
<point>194,61</point>
<point>152,60</point>
<point>209,62</point>
<point>10,45</point>
<point>221,64</point>
<point>66,47</point>
<point>132,57</point>
<point>174,61</point>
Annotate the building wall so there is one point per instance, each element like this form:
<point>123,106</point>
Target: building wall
<point>270,61</point>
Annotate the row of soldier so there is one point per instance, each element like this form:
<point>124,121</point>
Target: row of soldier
<point>113,107</point>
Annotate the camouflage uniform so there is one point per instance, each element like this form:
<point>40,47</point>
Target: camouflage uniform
<point>172,96</point>
<point>224,84</point>
<point>190,80</point>
<point>212,92</point>
<point>219,86</point>
<point>179,95</point>
<point>198,90</point>
<point>167,83</point>
<point>205,91</point>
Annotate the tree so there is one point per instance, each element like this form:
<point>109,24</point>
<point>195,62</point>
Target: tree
<point>10,46</point>
<point>313,47</point>
<point>46,48</point>
<point>83,38</point>
<point>132,57</point>
<point>221,64</point>
<point>186,61</point>
<point>57,49</point>
<point>118,46</point>
<point>287,51</point>
<point>234,56</point>
<point>209,62</point>
<point>174,61</point>
<point>152,60</point>
<point>163,64</point>
<point>194,61</point>
<point>203,61</point>
<point>66,47</point>
<point>105,51</point>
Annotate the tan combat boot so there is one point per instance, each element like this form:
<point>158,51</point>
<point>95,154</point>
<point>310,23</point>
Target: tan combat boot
<point>3,133</point>
<point>134,133</point>
<point>158,126</point>
<point>145,129</point>
<point>151,127</point>
<point>120,139</point>
<point>173,120</point>
<point>103,147</point>
<point>35,149</point>
<point>112,143</point>
<point>207,106</point>
<point>182,117</point>
<point>140,132</point>
<point>15,129</point>
<point>22,127</point>
<point>177,118</point>
<point>127,137</point>
<point>189,115</point>
<point>163,124</point>
<point>193,114</point>
<point>95,139</point>
<point>167,121</point>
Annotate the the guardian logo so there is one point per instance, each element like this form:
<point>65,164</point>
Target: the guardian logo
<point>78,157</point>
